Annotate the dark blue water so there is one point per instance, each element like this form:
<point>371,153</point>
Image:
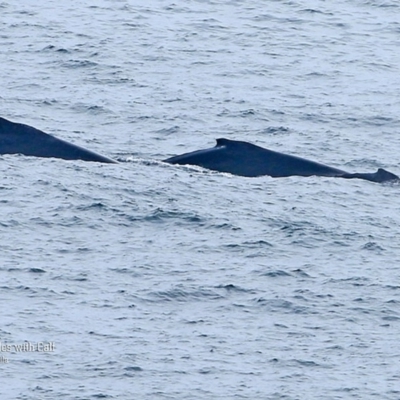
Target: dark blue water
<point>152,281</point>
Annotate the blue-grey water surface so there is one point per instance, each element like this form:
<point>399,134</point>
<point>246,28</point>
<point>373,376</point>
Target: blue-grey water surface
<point>155,281</point>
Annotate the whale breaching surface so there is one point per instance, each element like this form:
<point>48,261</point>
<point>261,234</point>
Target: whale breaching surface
<point>231,156</point>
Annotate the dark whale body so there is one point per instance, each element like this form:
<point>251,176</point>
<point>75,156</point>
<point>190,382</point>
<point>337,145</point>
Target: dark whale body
<point>234,157</point>
<point>246,159</point>
<point>23,139</point>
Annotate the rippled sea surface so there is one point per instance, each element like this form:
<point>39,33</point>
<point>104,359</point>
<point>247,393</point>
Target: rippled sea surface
<point>144,280</point>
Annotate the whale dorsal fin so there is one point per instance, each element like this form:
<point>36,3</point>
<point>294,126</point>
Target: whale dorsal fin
<point>223,142</point>
<point>379,176</point>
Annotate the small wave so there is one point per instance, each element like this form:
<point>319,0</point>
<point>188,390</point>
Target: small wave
<point>179,294</point>
<point>281,305</point>
<point>230,288</point>
<point>276,130</point>
<point>276,274</point>
<point>79,64</point>
<point>372,246</point>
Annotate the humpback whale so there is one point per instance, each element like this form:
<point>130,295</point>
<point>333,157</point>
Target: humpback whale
<point>23,139</point>
<point>232,156</point>
<point>246,159</point>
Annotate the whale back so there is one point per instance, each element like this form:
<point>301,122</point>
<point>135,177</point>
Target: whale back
<point>246,159</point>
<point>18,138</point>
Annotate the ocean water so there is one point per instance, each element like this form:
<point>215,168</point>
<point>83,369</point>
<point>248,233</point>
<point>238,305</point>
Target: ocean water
<point>144,280</point>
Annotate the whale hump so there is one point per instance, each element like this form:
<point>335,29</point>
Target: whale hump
<point>18,138</point>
